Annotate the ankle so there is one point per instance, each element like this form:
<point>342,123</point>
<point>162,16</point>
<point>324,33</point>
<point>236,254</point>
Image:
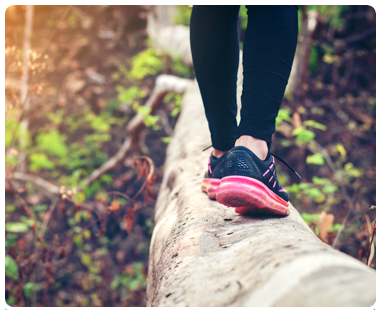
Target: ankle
<point>218,153</point>
<point>257,146</point>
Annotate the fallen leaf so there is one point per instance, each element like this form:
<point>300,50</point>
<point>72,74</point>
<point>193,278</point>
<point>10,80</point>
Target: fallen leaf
<point>296,120</point>
<point>324,223</point>
<point>114,205</point>
<point>56,240</point>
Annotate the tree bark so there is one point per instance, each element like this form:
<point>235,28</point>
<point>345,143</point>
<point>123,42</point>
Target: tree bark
<point>300,68</point>
<point>202,253</point>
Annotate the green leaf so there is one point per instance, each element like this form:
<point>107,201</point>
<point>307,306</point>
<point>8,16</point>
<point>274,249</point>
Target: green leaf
<point>87,234</point>
<point>11,240</point>
<point>352,171</point>
<point>11,268</point>
<point>100,124</point>
<point>316,158</point>
<point>79,196</point>
<point>130,94</point>
<point>329,189</point>
<point>314,124</point>
<point>313,192</point>
<point>78,241</point>
<point>183,15</point>
<point>175,111</point>
<point>10,208</point>
<point>103,240</point>
<point>39,161</point>
<point>309,218</point>
<point>335,227</point>
<point>86,259</point>
<point>341,149</point>
<point>304,186</point>
<point>40,207</point>
<point>106,178</point>
<point>292,189</point>
<point>52,142</point>
<point>133,285</point>
<point>28,287</point>
<point>11,160</point>
<point>143,110</point>
<point>16,227</point>
<point>11,301</point>
<point>115,283</point>
<point>321,181</point>
<point>303,135</point>
<point>55,117</point>
<point>284,115</point>
<point>150,120</point>
<point>77,216</point>
<point>148,62</point>
<point>102,251</point>
<point>12,127</point>
<point>89,190</point>
<point>166,139</point>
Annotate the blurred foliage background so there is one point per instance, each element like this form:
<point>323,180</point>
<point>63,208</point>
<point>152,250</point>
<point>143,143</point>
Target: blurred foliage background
<point>90,70</point>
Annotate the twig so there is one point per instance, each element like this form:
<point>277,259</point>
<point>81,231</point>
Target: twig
<point>371,242</point>
<point>53,189</point>
<point>119,194</point>
<point>166,125</point>
<point>24,85</point>
<point>46,220</point>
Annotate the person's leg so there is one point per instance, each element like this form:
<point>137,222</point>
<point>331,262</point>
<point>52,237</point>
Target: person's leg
<point>268,53</point>
<point>215,53</point>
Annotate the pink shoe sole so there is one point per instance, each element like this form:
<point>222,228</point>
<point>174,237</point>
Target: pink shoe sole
<point>209,186</point>
<point>249,195</point>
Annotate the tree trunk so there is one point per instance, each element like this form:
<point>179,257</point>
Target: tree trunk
<point>204,254</point>
<point>300,69</point>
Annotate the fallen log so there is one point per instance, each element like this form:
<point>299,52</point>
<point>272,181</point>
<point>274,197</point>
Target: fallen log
<point>202,253</point>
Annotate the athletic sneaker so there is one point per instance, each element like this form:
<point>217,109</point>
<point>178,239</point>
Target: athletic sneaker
<point>213,175</point>
<point>250,184</point>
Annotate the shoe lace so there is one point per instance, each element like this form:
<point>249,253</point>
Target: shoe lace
<point>207,148</point>
<point>278,158</point>
<point>290,167</point>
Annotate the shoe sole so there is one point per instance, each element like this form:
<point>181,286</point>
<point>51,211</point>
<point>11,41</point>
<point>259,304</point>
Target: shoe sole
<point>248,195</point>
<point>209,186</point>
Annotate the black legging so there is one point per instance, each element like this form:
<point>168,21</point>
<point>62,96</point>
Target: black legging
<point>268,52</point>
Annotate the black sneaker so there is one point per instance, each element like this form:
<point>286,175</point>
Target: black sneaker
<point>250,184</point>
<point>213,175</point>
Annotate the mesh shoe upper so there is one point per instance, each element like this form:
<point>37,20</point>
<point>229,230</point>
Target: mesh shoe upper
<point>215,167</point>
<point>241,161</point>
